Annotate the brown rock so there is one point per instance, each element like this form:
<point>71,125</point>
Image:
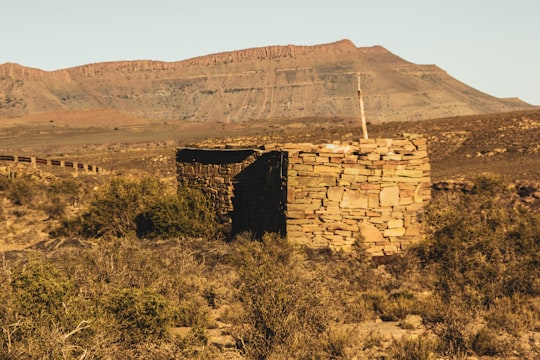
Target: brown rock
<point>389,196</point>
<point>395,224</point>
<point>370,233</point>
<point>335,193</point>
<point>394,232</point>
<point>354,200</point>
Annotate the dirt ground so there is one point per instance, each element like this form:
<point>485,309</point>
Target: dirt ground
<point>463,147</point>
<point>460,148</point>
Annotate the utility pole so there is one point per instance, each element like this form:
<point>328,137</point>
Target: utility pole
<point>361,100</point>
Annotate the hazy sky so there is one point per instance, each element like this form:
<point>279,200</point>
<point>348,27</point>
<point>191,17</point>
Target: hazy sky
<point>491,45</point>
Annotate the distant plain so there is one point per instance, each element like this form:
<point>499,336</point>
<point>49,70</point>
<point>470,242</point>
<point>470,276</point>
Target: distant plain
<point>460,147</point>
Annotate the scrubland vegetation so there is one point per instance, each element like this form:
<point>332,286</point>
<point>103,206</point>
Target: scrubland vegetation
<point>137,270</point>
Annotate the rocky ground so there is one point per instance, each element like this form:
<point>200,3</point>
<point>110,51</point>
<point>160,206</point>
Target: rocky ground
<point>460,149</point>
<point>505,143</point>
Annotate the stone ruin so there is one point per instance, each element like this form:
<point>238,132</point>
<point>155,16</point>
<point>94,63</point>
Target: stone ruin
<point>321,196</point>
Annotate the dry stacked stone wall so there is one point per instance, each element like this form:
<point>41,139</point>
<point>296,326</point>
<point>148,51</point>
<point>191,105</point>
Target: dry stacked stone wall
<point>327,195</point>
<point>246,186</point>
<point>374,190</point>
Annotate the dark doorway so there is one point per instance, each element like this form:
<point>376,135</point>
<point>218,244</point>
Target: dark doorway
<point>260,196</point>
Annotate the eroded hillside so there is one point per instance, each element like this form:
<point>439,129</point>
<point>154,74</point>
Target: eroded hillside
<point>261,83</point>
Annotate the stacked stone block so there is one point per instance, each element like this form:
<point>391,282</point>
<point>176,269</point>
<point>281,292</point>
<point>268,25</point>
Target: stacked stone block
<point>214,172</point>
<point>334,195</point>
<point>372,191</point>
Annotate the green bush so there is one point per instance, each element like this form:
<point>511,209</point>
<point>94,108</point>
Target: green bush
<point>193,312</point>
<point>486,343</point>
<point>41,290</point>
<point>285,306</point>
<point>514,315</point>
<point>22,190</point>
<point>413,348</point>
<point>140,313</point>
<point>187,213</point>
<point>59,194</point>
<point>4,183</point>
<point>485,252</point>
<point>113,211</point>
<point>68,189</point>
<point>143,207</point>
<point>483,255</point>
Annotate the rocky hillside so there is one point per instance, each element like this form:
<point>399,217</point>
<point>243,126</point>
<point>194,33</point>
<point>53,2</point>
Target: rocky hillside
<point>261,83</point>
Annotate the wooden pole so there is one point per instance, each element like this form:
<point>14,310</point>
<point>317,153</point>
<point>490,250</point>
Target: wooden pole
<point>361,100</point>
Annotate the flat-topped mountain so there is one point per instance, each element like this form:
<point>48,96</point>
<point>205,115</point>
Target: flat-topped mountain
<point>260,83</point>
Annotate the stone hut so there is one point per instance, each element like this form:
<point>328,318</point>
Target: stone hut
<point>326,195</point>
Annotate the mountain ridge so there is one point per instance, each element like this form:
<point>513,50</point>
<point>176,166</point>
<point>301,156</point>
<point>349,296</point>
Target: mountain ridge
<point>256,83</point>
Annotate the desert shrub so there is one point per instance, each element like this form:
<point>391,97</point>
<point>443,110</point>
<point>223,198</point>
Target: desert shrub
<point>23,190</point>
<point>124,262</point>
<point>337,341</point>
<point>42,316</point>
<point>412,348</point>
<point>196,338</point>
<point>123,295</point>
<point>373,339</point>
<point>489,185</point>
<point>187,213</point>
<point>453,329</point>
<point>68,189</point>
<point>55,207</point>
<point>41,290</point>
<point>68,227</point>
<point>51,197</point>
<point>36,340</point>
<point>403,271</point>
<point>8,322</point>
<point>143,207</point>
<point>4,183</point>
<point>485,252</point>
<point>358,308</point>
<point>140,313</point>
<point>113,211</point>
<point>285,313</point>
<point>486,342</point>
<point>355,270</point>
<point>401,304</point>
<point>483,256</point>
<point>59,194</point>
<point>193,312</point>
<point>352,278</point>
<point>377,303</point>
<point>513,315</point>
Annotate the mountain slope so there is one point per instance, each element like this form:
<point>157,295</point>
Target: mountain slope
<point>260,83</point>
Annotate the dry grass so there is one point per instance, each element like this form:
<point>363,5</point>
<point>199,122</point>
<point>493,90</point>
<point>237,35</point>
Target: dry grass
<point>334,305</point>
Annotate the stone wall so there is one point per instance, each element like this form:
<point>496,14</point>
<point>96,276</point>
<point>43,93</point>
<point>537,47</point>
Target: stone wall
<point>328,195</point>
<point>374,190</point>
<point>246,186</point>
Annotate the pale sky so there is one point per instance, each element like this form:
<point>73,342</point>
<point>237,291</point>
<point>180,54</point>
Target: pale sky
<point>491,45</point>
